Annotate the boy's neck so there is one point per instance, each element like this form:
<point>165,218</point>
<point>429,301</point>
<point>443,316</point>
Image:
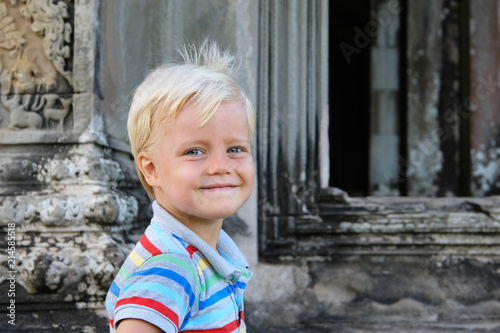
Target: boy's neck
<point>207,230</point>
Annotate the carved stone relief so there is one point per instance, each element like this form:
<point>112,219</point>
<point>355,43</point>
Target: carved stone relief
<point>35,66</point>
<point>70,195</point>
<point>63,242</point>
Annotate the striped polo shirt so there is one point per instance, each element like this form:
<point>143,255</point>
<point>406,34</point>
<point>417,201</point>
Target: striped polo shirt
<point>174,280</point>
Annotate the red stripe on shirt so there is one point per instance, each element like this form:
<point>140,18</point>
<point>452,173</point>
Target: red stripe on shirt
<point>112,323</point>
<point>242,316</point>
<point>191,249</point>
<point>149,246</point>
<point>152,304</point>
<point>226,329</point>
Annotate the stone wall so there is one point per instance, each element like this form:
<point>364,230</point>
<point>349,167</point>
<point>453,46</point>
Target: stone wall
<point>71,205</point>
<point>68,185</point>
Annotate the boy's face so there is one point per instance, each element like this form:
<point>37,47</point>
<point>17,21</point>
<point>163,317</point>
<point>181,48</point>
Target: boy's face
<point>202,173</point>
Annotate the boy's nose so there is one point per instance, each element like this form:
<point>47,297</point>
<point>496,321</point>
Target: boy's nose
<point>218,163</point>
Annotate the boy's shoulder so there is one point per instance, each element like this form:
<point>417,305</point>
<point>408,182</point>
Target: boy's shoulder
<point>150,277</point>
<point>157,244</point>
<point>158,247</point>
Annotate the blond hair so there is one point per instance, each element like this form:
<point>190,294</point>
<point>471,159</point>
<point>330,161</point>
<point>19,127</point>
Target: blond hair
<point>206,77</point>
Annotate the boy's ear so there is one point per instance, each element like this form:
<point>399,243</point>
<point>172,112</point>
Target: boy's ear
<point>147,167</point>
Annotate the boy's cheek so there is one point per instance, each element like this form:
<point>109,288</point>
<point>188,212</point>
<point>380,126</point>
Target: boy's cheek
<point>250,171</point>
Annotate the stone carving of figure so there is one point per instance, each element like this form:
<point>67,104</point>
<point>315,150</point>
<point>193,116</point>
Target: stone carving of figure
<point>47,19</point>
<point>51,111</point>
<point>24,73</point>
<point>10,37</point>
<point>24,81</point>
<point>19,118</point>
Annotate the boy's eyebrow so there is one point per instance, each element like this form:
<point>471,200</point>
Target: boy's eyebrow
<point>209,141</point>
<point>206,142</point>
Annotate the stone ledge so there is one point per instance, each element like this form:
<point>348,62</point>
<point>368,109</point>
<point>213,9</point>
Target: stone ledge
<point>67,320</point>
<point>401,327</point>
<point>69,209</point>
<point>386,226</point>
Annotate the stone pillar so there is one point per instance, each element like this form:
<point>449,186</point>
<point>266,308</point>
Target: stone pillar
<point>433,116</point>
<point>293,105</point>
<point>483,100</point>
<point>67,185</point>
<point>424,157</point>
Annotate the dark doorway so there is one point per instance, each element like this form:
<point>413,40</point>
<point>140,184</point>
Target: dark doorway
<point>349,96</point>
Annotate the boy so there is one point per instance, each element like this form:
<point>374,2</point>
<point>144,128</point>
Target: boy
<point>190,128</point>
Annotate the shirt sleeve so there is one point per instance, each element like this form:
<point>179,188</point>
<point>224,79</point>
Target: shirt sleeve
<point>163,292</point>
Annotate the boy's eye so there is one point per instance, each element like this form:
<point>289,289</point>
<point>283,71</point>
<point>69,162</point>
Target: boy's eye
<point>234,150</point>
<point>194,152</point>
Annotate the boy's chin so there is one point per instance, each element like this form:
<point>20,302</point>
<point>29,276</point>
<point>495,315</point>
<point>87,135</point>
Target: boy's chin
<point>222,214</point>
<point>221,210</point>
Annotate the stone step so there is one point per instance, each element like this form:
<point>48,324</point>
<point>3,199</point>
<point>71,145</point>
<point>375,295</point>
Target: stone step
<point>399,327</point>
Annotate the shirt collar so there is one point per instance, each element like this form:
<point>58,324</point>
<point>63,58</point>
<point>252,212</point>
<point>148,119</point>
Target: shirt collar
<point>228,268</point>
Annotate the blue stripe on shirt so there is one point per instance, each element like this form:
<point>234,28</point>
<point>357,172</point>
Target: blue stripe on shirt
<point>174,276</point>
<point>115,289</point>
<point>186,320</point>
<point>221,294</point>
<point>240,285</point>
<point>173,248</point>
<point>180,240</point>
<point>110,306</point>
<point>213,316</point>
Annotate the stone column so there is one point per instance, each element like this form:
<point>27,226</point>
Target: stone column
<point>482,103</point>
<point>67,185</point>
<point>293,106</point>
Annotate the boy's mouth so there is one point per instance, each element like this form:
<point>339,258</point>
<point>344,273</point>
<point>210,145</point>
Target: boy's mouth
<point>224,186</point>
